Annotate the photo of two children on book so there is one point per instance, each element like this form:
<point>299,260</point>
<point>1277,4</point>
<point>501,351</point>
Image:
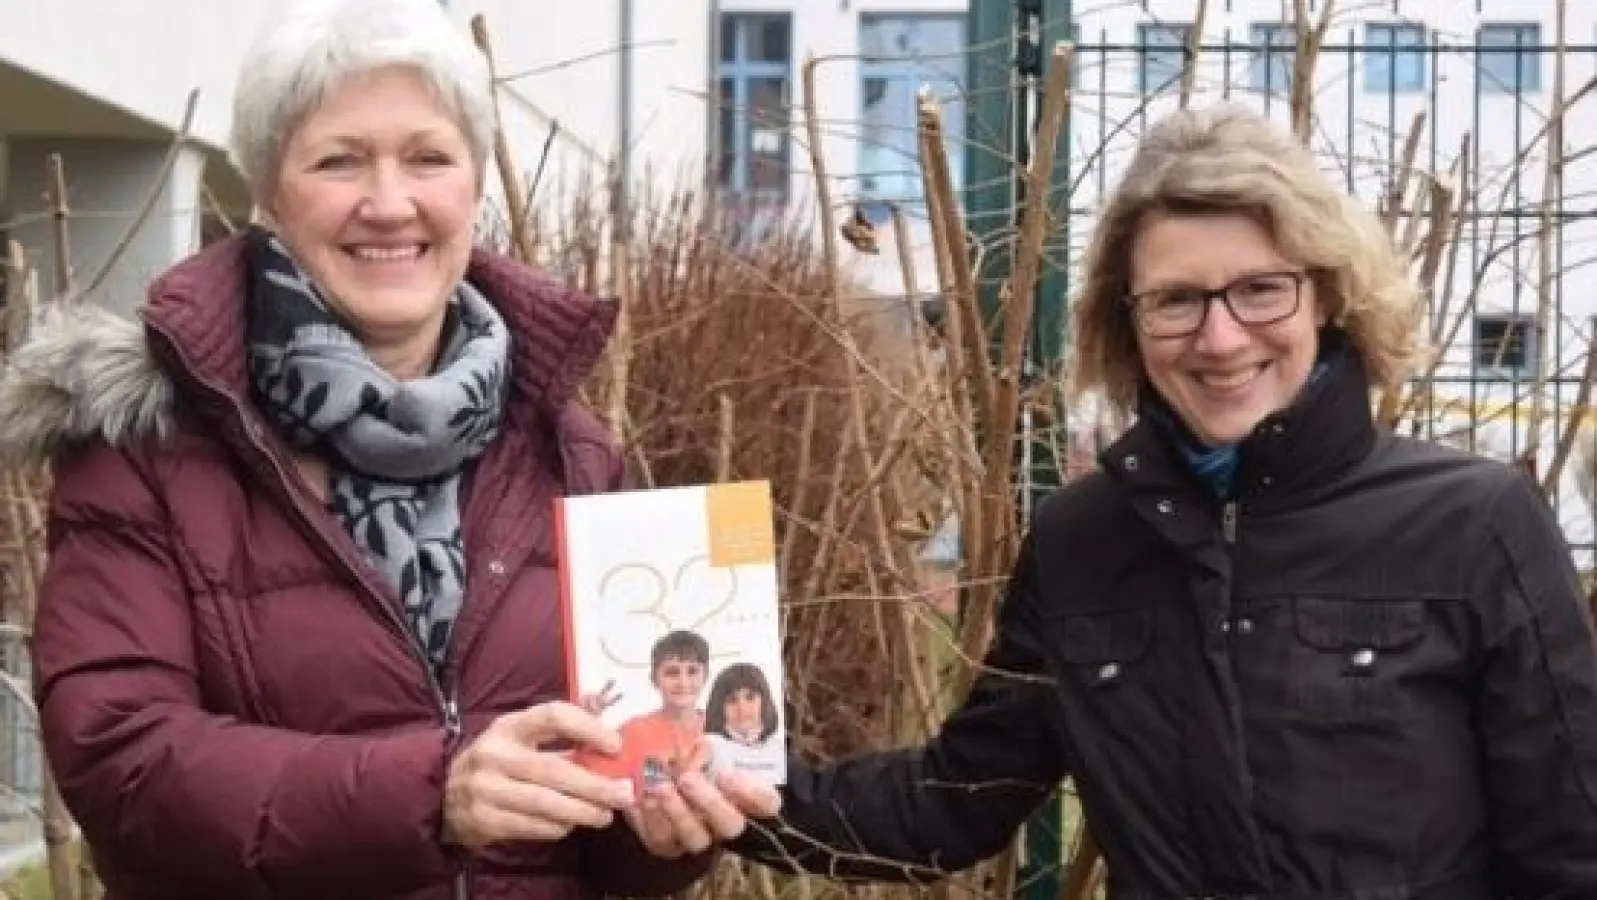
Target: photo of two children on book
<point>738,727</point>
<point>671,618</point>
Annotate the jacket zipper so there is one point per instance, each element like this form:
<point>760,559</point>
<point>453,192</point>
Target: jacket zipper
<point>448,704</point>
<point>1228,522</point>
<point>453,730</point>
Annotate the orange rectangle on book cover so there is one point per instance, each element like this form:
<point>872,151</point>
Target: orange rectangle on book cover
<point>739,519</point>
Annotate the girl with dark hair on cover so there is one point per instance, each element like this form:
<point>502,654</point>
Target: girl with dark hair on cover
<point>742,723</point>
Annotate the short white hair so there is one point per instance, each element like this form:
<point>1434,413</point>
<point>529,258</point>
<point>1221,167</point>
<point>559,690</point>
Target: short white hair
<point>307,50</point>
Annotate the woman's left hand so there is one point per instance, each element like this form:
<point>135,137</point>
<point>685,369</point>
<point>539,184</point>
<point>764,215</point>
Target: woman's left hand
<point>689,814</point>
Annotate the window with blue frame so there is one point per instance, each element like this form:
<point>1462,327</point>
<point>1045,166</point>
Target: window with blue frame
<point>1274,46</point>
<point>899,55</point>
<point>1510,58</point>
<point>1394,57</point>
<point>754,75</point>
<point>1161,55</point>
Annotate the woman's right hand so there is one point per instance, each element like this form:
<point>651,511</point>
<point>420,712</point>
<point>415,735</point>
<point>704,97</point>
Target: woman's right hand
<point>505,787</point>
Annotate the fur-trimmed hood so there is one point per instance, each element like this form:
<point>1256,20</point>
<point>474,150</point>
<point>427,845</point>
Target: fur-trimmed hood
<point>82,372</point>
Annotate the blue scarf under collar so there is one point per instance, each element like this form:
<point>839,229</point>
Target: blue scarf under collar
<point>1217,466</point>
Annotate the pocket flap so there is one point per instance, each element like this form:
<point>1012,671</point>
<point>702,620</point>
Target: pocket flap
<point>1349,624</point>
<point>1103,637</point>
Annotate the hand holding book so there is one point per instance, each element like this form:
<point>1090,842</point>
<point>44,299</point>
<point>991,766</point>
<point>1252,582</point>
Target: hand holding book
<point>505,786</point>
<point>671,594</point>
<point>672,630</point>
<point>689,814</point>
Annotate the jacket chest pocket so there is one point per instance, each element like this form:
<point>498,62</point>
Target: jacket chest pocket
<point>1347,657</point>
<point>1102,650</point>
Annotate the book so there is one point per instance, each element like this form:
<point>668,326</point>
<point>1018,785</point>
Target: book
<point>672,629</point>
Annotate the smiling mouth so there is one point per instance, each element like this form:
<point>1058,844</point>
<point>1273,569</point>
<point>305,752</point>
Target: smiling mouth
<point>386,254</point>
<point>1230,379</point>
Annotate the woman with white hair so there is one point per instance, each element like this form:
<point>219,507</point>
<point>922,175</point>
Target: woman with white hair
<point>299,633</point>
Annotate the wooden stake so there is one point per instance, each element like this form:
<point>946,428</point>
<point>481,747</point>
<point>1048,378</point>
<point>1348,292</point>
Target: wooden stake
<point>1002,417</point>
<point>1309,41</point>
<point>509,175</point>
<point>823,187</point>
<point>60,212</point>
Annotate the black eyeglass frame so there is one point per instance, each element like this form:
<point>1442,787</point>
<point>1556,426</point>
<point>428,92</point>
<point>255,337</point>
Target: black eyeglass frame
<point>1223,294</point>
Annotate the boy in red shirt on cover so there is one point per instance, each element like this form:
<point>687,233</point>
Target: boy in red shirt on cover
<point>659,743</point>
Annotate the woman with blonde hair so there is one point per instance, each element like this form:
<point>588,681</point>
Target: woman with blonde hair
<point>1280,652</point>
<point>299,634</point>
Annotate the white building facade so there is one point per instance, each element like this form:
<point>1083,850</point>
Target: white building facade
<point>104,84</point>
<point>872,57</point>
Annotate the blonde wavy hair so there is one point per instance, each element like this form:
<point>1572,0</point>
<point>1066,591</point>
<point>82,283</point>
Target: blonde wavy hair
<point>1227,159</point>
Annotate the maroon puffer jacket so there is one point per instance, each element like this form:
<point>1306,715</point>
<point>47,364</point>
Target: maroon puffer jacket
<point>227,696</point>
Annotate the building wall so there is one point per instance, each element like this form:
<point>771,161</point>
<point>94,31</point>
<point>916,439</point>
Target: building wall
<point>109,180</point>
<point>561,75</point>
<point>140,57</point>
<point>831,31</point>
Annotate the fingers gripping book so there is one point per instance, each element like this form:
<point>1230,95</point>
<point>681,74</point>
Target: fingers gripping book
<point>672,628</point>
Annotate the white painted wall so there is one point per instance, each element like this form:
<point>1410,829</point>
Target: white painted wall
<point>143,58</point>
<point>570,68</point>
<point>108,182</point>
<point>830,31</point>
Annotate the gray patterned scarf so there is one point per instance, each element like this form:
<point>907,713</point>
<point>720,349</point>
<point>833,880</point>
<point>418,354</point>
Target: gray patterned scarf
<point>396,448</point>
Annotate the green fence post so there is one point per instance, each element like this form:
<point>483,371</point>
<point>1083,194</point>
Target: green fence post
<point>1005,74</point>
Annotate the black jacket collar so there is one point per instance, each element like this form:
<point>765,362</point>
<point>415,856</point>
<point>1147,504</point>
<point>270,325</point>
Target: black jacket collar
<point>1301,449</point>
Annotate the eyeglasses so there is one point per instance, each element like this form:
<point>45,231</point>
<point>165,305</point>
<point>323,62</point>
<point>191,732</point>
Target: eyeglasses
<point>1262,298</point>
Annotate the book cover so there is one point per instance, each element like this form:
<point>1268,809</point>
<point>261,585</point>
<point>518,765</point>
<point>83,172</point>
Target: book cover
<point>672,628</point>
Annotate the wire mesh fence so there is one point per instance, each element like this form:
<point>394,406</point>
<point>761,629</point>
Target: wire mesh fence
<point>1508,320</point>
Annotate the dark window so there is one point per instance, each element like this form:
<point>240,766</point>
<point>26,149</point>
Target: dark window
<point>753,141</point>
<point>1506,344</point>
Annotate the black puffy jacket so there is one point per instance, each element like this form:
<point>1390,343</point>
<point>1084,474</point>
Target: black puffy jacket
<point>1370,676</point>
